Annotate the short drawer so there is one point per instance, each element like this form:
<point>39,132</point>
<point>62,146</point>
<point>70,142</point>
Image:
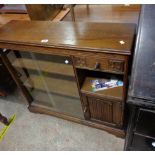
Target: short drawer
<point>100,64</point>
<point>142,143</point>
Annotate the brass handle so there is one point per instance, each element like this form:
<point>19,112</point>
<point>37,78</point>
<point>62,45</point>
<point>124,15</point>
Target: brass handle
<point>97,65</point>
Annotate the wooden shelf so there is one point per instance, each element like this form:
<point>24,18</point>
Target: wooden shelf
<point>55,85</point>
<point>45,66</point>
<point>62,104</point>
<point>116,92</point>
<point>43,98</point>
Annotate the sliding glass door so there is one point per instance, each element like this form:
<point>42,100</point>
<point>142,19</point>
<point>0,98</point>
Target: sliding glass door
<point>50,80</point>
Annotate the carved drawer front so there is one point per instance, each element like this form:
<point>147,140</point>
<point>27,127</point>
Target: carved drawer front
<point>102,110</point>
<point>116,65</point>
<point>100,64</point>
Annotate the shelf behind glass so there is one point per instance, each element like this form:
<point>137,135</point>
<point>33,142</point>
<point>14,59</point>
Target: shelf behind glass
<point>50,80</point>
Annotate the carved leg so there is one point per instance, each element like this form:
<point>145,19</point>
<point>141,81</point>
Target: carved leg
<point>3,119</point>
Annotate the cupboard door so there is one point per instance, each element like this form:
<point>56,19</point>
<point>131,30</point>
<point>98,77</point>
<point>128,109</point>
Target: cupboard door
<point>102,110</point>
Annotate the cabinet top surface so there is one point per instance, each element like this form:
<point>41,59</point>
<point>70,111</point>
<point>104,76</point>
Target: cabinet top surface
<point>70,35</point>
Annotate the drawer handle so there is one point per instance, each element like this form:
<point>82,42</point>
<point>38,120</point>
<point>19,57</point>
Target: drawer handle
<point>97,65</point>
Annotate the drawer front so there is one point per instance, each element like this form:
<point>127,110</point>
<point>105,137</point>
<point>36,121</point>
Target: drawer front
<point>142,143</point>
<point>101,64</point>
<point>97,109</point>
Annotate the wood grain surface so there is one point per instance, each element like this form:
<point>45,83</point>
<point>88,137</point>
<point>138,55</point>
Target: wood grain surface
<point>98,36</point>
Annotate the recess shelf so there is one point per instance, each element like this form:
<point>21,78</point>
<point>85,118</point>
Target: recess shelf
<point>116,92</point>
<point>55,85</point>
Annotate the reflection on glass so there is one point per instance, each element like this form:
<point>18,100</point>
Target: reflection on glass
<point>50,80</point>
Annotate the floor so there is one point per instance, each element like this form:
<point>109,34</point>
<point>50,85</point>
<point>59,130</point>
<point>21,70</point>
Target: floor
<point>41,132</point>
<point>92,13</point>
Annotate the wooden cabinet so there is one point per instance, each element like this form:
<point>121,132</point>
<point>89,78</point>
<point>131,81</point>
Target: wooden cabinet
<point>60,59</point>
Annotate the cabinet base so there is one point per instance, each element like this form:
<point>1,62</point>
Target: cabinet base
<point>117,132</point>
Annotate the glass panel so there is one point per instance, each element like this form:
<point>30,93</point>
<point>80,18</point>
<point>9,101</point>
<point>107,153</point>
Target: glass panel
<point>50,80</point>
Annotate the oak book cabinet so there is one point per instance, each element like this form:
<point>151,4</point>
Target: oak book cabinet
<point>53,65</point>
